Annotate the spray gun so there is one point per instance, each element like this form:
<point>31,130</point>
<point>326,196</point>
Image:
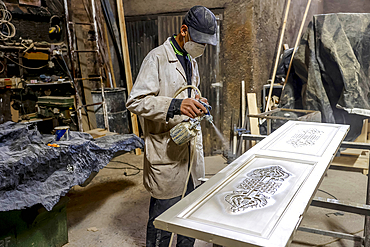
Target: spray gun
<point>208,115</point>
<point>185,131</point>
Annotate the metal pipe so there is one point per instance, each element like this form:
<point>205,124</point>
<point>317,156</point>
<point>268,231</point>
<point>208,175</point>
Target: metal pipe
<point>77,51</point>
<point>355,208</point>
<point>95,27</point>
<point>331,234</point>
<point>105,113</point>
<point>80,126</point>
<point>88,78</point>
<point>81,106</point>
<point>9,47</point>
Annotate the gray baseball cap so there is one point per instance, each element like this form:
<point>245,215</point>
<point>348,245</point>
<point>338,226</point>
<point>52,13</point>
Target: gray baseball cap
<point>202,25</point>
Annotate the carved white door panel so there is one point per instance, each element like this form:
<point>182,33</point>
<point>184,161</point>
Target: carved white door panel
<point>260,198</point>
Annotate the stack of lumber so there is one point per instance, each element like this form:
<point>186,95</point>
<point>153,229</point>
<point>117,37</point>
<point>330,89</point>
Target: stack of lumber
<point>355,159</point>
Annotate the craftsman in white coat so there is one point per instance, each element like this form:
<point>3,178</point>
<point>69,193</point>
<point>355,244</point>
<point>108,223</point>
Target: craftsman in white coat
<point>165,70</point>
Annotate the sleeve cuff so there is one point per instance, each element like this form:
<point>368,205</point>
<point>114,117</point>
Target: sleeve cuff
<point>174,108</point>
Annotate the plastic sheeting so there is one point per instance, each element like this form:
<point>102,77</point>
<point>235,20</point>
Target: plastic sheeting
<point>31,172</point>
<point>332,62</point>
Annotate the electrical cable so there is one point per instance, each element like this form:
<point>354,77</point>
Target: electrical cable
<point>328,194</point>
<point>133,167</point>
<point>61,66</point>
<point>25,66</point>
<point>3,67</point>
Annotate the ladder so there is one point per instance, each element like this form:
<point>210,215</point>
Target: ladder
<point>73,52</point>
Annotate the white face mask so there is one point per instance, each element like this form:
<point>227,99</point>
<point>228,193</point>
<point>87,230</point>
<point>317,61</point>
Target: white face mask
<point>194,49</point>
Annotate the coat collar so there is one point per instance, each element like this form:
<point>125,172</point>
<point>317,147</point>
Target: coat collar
<point>171,56</point>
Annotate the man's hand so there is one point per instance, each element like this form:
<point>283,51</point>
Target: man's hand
<point>204,100</point>
<point>192,108</point>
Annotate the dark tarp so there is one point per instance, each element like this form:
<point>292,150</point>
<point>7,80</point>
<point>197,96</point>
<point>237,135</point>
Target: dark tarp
<point>332,63</point>
<point>31,172</point>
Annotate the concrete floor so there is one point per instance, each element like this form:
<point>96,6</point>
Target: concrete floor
<point>113,209</point>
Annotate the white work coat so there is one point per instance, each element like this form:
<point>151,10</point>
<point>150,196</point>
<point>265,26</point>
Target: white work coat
<point>165,163</point>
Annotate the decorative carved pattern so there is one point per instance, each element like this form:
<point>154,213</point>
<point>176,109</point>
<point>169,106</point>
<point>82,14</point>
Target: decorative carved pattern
<point>305,138</point>
<point>254,189</point>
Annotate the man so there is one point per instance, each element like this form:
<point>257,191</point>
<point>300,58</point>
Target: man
<point>164,71</point>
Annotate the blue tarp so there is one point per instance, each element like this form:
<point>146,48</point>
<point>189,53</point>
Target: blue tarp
<point>31,172</point>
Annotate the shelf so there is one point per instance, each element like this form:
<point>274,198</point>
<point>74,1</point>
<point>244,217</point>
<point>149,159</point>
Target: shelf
<point>48,83</point>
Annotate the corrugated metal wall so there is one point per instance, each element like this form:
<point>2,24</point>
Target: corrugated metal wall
<point>144,35</point>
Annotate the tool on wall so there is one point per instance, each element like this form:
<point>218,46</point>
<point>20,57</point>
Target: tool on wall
<point>55,23</point>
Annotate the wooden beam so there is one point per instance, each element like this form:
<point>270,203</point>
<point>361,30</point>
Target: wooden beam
<point>126,59</point>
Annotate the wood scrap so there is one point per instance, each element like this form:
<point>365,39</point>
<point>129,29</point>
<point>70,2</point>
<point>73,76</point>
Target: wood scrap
<point>356,159</point>
<point>96,133</point>
<point>253,109</point>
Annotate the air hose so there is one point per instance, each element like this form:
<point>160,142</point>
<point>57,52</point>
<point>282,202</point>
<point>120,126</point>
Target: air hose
<point>191,149</point>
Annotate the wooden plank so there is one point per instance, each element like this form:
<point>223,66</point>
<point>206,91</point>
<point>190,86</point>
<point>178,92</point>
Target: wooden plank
<point>96,133</point>
<point>356,162</point>
<point>14,113</point>
<point>363,136</point>
<point>126,59</point>
<point>253,109</point>
<point>297,41</point>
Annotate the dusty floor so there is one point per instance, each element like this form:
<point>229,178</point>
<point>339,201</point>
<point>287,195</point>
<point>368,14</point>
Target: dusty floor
<point>112,210</point>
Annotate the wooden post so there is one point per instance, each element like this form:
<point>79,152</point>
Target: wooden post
<point>126,59</point>
<point>297,41</point>
<point>277,56</point>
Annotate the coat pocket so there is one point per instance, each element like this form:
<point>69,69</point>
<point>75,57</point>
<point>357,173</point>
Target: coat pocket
<point>160,149</point>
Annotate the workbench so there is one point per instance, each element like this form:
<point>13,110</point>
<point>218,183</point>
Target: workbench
<point>349,207</point>
<point>261,197</point>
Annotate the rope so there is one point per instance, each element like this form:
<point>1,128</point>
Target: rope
<point>7,29</point>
